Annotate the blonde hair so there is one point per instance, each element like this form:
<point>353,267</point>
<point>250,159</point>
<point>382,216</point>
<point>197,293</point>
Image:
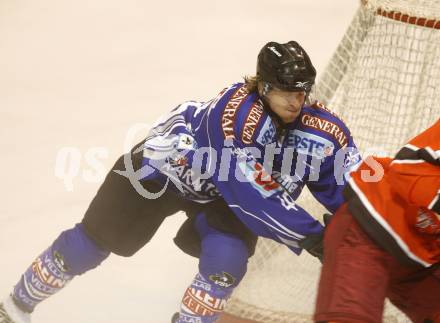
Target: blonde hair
<point>252,82</point>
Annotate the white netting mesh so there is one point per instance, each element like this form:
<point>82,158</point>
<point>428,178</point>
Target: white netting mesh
<point>384,82</point>
<point>429,9</point>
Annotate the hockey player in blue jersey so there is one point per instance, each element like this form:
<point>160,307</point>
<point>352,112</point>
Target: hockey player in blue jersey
<point>235,165</point>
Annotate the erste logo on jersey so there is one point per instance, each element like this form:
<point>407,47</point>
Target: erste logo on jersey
<point>310,144</point>
<point>267,133</point>
<point>228,117</point>
<point>326,126</point>
<point>251,123</point>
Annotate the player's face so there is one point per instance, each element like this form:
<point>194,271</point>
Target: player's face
<point>287,105</point>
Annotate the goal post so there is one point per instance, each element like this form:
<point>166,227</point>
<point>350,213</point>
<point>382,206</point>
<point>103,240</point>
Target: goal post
<point>384,81</point>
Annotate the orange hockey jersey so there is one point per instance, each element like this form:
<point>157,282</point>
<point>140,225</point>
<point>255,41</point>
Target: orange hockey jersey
<point>397,202</point>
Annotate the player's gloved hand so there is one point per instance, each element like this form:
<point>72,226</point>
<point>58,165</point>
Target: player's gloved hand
<point>314,243</point>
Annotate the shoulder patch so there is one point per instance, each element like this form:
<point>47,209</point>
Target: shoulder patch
<point>252,120</point>
<point>230,110</point>
<point>325,126</point>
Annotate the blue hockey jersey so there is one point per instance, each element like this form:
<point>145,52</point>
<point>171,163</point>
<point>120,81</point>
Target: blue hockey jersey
<point>231,148</point>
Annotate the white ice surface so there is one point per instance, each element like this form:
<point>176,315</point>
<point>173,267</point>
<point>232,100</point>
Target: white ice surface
<point>80,74</point>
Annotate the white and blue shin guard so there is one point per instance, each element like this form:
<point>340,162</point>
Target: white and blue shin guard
<point>223,263</point>
<point>71,254</point>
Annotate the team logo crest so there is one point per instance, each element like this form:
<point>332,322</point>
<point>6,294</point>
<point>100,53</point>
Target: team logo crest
<point>186,142</point>
<point>59,261</point>
<point>303,85</point>
<point>223,280</point>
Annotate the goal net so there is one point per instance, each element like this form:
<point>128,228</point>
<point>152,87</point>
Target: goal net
<point>384,82</point>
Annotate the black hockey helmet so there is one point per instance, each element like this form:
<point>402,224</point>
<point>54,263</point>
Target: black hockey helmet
<point>286,67</point>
